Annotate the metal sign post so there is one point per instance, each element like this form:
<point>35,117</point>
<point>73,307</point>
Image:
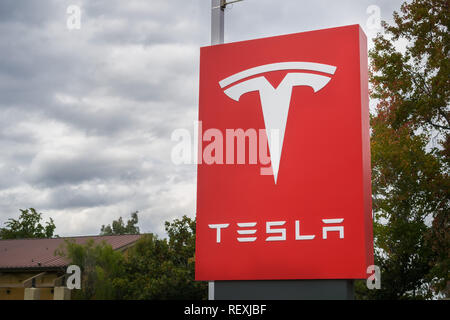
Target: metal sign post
<point>217,37</point>
<point>217,22</point>
<point>217,19</point>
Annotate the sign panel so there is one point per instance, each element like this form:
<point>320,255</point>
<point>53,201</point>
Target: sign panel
<point>284,189</point>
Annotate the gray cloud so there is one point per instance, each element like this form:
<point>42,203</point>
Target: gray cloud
<point>60,168</point>
<point>32,13</point>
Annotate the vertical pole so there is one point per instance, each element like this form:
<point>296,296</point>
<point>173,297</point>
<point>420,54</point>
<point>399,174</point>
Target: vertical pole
<point>211,290</point>
<point>217,37</point>
<point>217,22</point>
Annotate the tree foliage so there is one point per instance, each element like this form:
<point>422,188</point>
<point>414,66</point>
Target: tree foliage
<point>119,227</point>
<point>153,268</point>
<point>164,268</point>
<point>100,266</point>
<point>28,225</point>
<point>410,152</point>
<point>416,81</point>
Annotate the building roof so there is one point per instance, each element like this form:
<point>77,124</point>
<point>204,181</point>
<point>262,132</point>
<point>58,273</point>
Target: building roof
<point>40,253</point>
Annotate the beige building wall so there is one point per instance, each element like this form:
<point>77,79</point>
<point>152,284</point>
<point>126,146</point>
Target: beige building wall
<point>11,285</point>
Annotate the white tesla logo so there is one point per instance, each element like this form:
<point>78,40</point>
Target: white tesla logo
<point>275,101</point>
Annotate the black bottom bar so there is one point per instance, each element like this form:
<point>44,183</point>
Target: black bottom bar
<point>284,290</point>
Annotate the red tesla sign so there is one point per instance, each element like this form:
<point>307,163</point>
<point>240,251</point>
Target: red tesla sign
<point>284,189</point>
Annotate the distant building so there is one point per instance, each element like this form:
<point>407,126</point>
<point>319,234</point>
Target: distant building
<point>32,263</point>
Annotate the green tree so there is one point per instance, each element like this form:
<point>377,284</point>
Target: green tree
<point>403,178</point>
<point>28,225</point>
<point>164,269</point>
<point>410,152</point>
<point>102,269</point>
<point>152,269</point>
<point>119,227</point>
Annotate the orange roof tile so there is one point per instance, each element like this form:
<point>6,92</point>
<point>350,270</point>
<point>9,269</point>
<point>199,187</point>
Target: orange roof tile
<point>40,253</point>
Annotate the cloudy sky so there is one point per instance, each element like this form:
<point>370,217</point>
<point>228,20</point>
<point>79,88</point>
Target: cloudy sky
<point>86,115</point>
